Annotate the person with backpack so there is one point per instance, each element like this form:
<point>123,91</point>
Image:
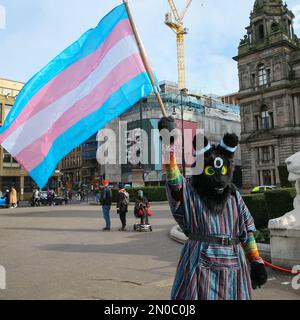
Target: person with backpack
<point>122,205</point>
<point>106,201</point>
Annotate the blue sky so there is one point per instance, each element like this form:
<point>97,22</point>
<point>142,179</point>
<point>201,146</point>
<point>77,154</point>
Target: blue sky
<point>37,30</point>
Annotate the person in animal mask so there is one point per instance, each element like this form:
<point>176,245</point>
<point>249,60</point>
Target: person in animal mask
<point>220,229</point>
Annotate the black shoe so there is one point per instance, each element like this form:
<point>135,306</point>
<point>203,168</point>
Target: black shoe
<point>106,229</point>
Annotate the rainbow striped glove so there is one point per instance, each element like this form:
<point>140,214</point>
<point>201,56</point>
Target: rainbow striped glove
<point>258,273</point>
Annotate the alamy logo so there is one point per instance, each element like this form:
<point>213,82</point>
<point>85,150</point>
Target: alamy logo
<point>2,278</point>
<point>2,17</point>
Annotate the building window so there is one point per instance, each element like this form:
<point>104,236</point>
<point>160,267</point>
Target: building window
<point>7,110</point>
<point>29,184</point>
<point>257,122</point>
<point>6,157</point>
<point>262,75</point>
<point>253,80</point>
<point>8,160</point>
<point>275,27</point>
<point>267,180</point>
<point>265,154</point>
<point>267,118</point>
<point>261,32</point>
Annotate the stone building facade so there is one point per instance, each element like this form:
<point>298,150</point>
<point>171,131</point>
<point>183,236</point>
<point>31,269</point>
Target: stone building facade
<point>10,171</point>
<point>269,79</point>
<point>71,167</point>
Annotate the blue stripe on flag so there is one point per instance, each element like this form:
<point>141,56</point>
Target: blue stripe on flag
<point>83,47</point>
<point>117,104</point>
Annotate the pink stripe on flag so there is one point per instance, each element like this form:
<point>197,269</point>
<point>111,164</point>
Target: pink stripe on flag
<point>128,69</point>
<point>70,78</point>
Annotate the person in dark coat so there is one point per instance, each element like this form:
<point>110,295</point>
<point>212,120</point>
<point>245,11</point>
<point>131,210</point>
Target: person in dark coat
<point>122,205</point>
<point>106,201</point>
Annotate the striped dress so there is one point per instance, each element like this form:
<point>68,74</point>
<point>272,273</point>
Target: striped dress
<point>210,271</point>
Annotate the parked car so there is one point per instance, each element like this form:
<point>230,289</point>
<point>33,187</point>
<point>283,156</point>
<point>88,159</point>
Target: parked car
<point>3,202</point>
<point>263,189</point>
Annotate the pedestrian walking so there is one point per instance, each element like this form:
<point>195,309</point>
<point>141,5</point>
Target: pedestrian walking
<point>66,196</point>
<point>106,201</point>
<point>35,198</point>
<point>122,205</point>
<point>13,198</point>
<point>50,196</point>
<point>70,195</point>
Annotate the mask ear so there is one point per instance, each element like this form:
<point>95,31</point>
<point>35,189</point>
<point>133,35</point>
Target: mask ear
<point>229,144</point>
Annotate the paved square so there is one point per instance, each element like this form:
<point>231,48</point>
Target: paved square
<point>61,253</point>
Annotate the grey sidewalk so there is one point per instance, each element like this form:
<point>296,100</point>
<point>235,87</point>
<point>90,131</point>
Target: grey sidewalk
<point>60,253</point>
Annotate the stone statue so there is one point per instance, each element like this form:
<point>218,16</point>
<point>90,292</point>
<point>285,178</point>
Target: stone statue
<point>292,219</point>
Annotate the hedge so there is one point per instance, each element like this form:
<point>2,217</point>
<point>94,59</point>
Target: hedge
<point>257,206</point>
<point>263,207</point>
<point>270,205</point>
<point>279,203</point>
<point>153,194</point>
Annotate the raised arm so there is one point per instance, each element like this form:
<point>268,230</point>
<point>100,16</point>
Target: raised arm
<point>258,271</point>
<point>173,174</point>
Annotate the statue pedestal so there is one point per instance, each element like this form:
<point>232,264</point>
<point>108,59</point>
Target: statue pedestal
<point>138,178</point>
<point>285,231</point>
<point>285,247</point>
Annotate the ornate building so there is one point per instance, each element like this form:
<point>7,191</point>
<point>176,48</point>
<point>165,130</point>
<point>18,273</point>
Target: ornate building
<point>11,173</point>
<point>269,78</point>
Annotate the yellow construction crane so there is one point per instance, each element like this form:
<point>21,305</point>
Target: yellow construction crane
<point>175,21</point>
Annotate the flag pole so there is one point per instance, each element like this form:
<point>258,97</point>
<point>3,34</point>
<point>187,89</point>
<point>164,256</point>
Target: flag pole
<point>145,60</point>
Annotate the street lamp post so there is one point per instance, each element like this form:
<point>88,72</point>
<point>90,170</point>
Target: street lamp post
<point>183,92</point>
<point>182,133</point>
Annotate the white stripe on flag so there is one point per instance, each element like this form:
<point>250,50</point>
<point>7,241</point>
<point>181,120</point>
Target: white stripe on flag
<point>41,122</point>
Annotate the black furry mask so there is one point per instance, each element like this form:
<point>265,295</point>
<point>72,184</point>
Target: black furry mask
<point>214,184</point>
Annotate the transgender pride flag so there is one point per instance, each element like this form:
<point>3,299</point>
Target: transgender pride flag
<point>92,82</point>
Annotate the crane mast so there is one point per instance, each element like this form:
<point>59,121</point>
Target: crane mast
<point>174,20</point>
